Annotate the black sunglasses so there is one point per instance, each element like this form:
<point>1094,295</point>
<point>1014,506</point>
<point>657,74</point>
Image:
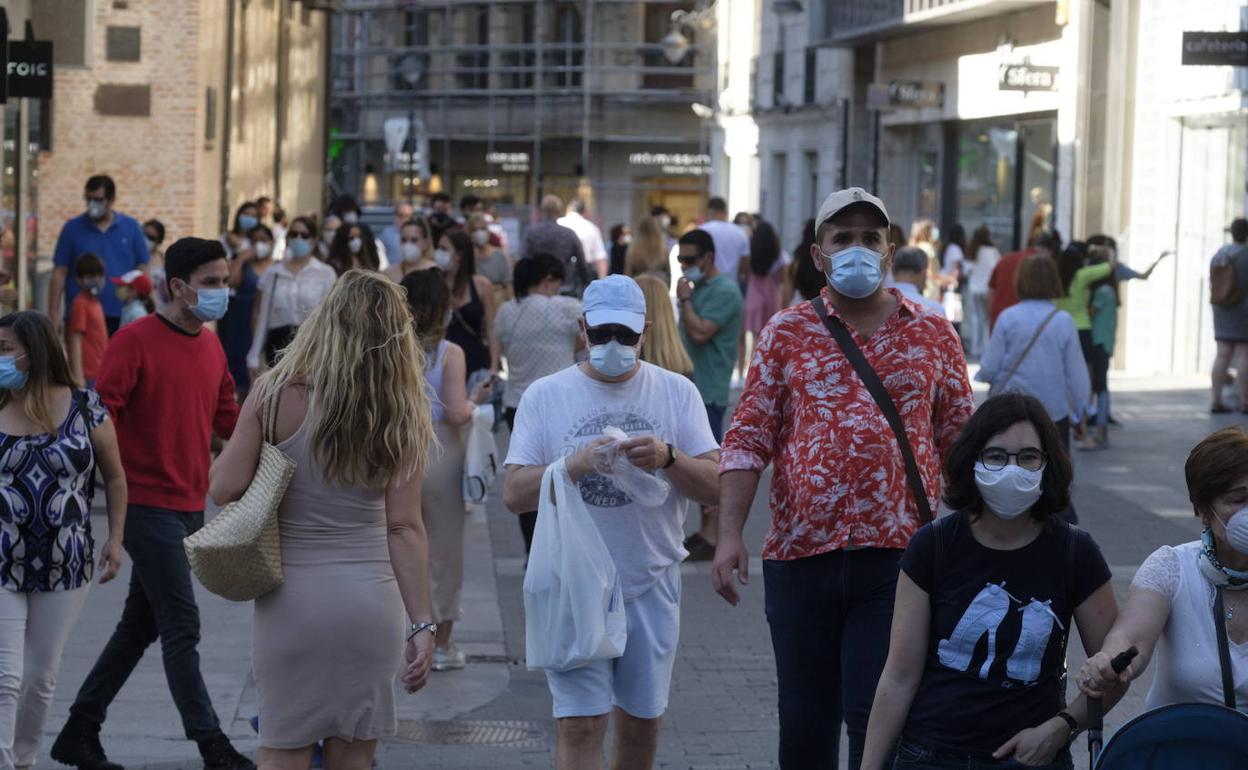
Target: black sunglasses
<point>689,260</point>
<point>298,236</point>
<point>601,335</point>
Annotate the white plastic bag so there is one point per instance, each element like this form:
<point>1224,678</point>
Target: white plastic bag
<point>641,487</point>
<point>573,600</point>
<point>481,457</point>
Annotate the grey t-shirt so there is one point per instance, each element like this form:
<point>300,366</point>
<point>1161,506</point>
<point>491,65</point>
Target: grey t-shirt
<point>538,336</point>
<point>568,409</point>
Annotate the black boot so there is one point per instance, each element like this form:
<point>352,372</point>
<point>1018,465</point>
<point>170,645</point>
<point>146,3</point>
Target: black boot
<point>219,754</point>
<point>78,746</point>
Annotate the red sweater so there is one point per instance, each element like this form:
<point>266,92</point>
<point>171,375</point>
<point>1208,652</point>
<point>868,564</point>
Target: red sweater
<point>168,392</point>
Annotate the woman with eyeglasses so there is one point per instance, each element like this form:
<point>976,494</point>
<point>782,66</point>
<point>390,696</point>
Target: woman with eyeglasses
<point>985,602</point>
<point>287,294</point>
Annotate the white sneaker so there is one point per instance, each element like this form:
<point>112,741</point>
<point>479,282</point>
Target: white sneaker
<point>450,659</point>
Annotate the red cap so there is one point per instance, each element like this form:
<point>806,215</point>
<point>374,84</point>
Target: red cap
<point>137,281</point>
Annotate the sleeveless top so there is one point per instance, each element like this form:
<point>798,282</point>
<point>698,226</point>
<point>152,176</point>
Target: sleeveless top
<point>1188,670</point>
<point>467,329</point>
<point>45,502</point>
<point>433,382</point>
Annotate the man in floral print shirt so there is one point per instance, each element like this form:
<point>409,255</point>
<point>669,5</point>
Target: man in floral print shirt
<point>841,509</point>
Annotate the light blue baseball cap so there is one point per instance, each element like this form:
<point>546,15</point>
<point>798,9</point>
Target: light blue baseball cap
<point>616,299</point>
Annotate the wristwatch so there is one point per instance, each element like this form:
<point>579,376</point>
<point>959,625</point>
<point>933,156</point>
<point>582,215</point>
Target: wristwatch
<point>416,628</point>
<point>671,457</point>
<point>1070,721</point>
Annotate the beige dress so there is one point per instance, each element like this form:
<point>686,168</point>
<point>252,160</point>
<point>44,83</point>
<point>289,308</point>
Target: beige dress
<point>328,644</point>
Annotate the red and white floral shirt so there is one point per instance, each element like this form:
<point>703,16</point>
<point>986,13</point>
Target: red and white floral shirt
<point>839,477</point>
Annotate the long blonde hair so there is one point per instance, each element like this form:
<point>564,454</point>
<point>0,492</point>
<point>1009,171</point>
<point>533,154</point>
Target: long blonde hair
<point>648,252</point>
<point>357,354</point>
<point>662,346</point>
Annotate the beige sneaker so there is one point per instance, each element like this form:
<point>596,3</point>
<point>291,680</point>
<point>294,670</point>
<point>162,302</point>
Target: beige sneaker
<point>450,659</point>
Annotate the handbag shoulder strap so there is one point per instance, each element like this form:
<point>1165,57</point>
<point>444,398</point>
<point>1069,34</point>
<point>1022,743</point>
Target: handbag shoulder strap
<point>1030,344</point>
<point>270,400</point>
<point>1224,649</point>
<point>876,387</point>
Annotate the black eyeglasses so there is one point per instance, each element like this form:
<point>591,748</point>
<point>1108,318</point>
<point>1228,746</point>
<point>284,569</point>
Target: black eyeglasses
<point>601,335</point>
<point>1029,459</point>
<point>298,236</point>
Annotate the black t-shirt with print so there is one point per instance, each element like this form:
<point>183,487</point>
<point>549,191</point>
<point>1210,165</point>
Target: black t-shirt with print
<point>1000,621</point>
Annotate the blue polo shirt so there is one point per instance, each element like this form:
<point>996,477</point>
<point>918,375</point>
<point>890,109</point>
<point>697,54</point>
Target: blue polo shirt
<point>121,248</point>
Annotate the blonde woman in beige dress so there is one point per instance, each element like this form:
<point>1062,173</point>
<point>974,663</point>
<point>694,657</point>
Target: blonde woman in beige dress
<point>353,414</point>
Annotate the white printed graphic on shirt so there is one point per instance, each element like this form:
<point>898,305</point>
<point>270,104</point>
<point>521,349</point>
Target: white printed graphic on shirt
<point>597,489</point>
<point>987,611</point>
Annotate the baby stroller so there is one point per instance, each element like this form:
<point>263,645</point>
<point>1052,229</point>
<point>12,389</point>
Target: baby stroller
<point>1184,735</point>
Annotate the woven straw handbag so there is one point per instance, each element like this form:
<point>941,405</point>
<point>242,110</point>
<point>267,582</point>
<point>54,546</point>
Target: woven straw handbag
<point>238,554</point>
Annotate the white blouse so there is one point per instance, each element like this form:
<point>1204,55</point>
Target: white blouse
<point>286,299</point>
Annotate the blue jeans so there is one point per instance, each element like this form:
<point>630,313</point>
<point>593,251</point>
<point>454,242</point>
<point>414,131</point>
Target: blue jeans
<point>911,756</point>
<point>715,413</point>
<point>830,617</point>
<point>161,604</point>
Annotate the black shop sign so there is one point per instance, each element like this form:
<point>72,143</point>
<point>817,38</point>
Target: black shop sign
<point>1027,77</point>
<point>30,69</point>
<point>1216,49</point>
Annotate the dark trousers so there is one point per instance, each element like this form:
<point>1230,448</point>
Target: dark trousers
<point>112,323</point>
<point>830,618</point>
<point>528,521</point>
<point>912,756</point>
<point>161,604</point>
<point>715,414</point>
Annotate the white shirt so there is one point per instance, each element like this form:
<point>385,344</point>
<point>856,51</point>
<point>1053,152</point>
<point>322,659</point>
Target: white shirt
<point>288,298</point>
<point>954,256</point>
<point>731,245</point>
<point>909,291</point>
<point>561,413</point>
<point>589,235</point>
<point>986,260</point>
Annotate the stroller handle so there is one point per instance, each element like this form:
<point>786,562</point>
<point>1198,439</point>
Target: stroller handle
<point>1096,714</point>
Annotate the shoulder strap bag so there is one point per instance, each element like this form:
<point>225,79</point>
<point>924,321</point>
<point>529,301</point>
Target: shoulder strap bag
<point>872,380</point>
<point>1224,649</point>
<point>999,387</point>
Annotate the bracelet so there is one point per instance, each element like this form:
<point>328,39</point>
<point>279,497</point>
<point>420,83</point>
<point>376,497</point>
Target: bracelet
<point>1070,721</point>
<point>416,628</point>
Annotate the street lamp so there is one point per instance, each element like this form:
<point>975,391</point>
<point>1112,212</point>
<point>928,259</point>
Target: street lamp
<point>676,45</point>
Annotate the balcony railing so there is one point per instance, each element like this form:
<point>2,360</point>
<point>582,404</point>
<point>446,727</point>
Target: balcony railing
<point>857,21</point>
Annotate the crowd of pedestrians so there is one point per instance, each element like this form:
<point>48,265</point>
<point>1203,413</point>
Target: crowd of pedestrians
<point>368,359</point>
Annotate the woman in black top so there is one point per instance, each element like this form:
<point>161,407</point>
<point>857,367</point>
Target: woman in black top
<point>472,307</point>
<point>985,599</point>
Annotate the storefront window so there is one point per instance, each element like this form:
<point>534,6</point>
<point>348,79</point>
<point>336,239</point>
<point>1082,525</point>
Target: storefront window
<point>987,154</point>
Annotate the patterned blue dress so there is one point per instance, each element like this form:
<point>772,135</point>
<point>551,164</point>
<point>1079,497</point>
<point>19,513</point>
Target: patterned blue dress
<point>45,502</point>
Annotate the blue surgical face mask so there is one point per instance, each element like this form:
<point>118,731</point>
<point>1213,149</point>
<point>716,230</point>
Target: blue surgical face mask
<point>694,274</point>
<point>246,222</point>
<point>298,248</point>
<point>211,305</point>
<point>613,359</point>
<point>12,378</point>
<point>856,271</point>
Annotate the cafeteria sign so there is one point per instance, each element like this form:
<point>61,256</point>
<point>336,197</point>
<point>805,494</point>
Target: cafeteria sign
<point>1216,49</point>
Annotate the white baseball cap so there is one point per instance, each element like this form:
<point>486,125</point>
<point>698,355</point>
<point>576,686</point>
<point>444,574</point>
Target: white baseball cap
<point>843,199</point>
<point>616,299</point>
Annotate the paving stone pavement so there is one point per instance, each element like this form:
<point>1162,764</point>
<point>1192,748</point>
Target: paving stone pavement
<point>722,712</point>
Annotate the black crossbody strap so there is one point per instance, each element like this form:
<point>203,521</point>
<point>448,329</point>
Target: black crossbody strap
<point>872,380</point>
<point>1224,649</point>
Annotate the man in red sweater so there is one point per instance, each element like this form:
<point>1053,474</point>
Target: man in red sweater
<point>1002,292</point>
<point>165,382</point>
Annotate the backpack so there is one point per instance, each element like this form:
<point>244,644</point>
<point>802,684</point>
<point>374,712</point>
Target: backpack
<point>1224,291</point>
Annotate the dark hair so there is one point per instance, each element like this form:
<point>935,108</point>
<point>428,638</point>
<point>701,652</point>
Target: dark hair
<point>699,239</point>
<point>764,248</point>
<point>439,224</point>
<point>718,205</point>
<point>340,257</point>
<point>307,222</point>
<point>955,237</point>
<point>910,258</point>
<point>88,265</point>
<point>187,255</point>
<point>532,270</point>
<point>1049,239</point>
<point>896,236</point>
<point>469,201</point>
<point>260,229</point>
<point>1073,258</point>
<point>1102,240</point>
<point>102,181</point>
<point>158,226</point>
<point>263,199</point>
<point>439,197</point>
<point>980,238</point>
<point>996,416</point>
<point>342,204</point>
<point>1239,230</point>
<point>1214,465</point>
<point>617,231</point>
<point>577,205</point>
<point>807,277</point>
<point>463,247</point>
<point>239,212</point>
<point>428,298</point>
<point>48,364</point>
<point>1037,278</point>
<point>658,211</point>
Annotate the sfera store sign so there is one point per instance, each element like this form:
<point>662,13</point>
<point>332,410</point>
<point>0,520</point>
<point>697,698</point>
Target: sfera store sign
<point>1216,49</point>
<point>1027,77</point>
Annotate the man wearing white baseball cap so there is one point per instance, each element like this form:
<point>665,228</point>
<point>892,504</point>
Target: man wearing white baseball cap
<point>563,415</point>
<point>856,398</point>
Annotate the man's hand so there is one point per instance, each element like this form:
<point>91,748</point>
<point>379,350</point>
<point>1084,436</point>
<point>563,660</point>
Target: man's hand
<point>730,556</point>
<point>111,557</point>
<point>646,452</point>
<point>584,461</point>
<point>684,289</point>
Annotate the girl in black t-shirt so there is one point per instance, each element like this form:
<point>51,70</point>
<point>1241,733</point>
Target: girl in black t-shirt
<point>985,600</point>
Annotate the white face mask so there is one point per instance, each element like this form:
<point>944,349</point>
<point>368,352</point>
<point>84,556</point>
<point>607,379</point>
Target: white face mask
<point>1009,492</point>
<point>350,217</point>
<point>443,258</point>
<point>355,244</point>
<point>409,252</point>
<point>480,237</point>
<point>1237,530</point>
<point>264,250</point>
<point>328,235</point>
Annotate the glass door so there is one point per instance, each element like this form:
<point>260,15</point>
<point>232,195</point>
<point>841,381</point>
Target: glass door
<point>987,159</point>
<point>1037,153</point>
